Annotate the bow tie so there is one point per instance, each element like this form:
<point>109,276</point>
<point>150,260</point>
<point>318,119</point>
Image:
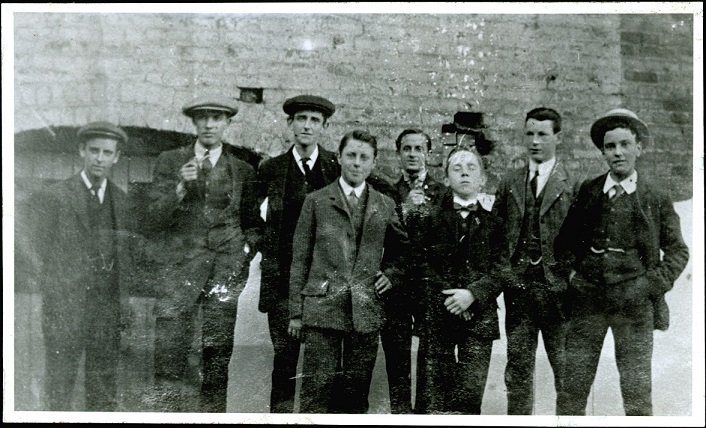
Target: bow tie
<point>473,206</point>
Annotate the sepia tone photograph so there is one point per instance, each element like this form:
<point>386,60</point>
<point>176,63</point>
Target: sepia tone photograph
<point>353,213</point>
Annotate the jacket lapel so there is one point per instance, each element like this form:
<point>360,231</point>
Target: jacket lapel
<point>79,201</point>
<point>280,176</point>
<point>553,188</point>
<point>335,196</point>
<point>518,188</point>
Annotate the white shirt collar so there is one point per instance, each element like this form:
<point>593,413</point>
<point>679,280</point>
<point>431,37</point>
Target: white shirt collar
<point>544,168</point>
<point>310,162</point>
<point>629,184</point>
<point>464,202</point>
<point>347,188</point>
<point>89,185</point>
<point>213,153</point>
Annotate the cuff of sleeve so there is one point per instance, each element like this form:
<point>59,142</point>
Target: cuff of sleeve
<point>180,190</point>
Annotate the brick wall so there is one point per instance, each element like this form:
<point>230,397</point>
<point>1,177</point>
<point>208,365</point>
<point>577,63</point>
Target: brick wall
<point>384,72</point>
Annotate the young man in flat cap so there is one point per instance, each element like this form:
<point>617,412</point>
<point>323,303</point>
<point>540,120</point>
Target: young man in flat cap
<point>83,242</point>
<point>203,206</point>
<point>623,241</point>
<point>533,201</point>
<point>285,180</point>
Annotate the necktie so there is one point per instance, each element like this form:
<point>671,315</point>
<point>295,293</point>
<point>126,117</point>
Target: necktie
<point>533,183</point>
<point>94,191</point>
<point>464,210</point>
<point>413,181</point>
<point>615,191</point>
<point>206,164</point>
<point>307,170</point>
<point>353,202</point>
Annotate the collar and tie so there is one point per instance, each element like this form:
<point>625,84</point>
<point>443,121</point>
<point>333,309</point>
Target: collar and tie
<point>206,164</point>
<point>353,201</point>
<point>615,191</point>
<point>465,210</point>
<point>533,182</point>
<point>95,193</point>
<point>307,169</point>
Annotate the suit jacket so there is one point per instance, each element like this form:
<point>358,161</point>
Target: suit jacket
<point>332,279</point>
<point>62,240</point>
<point>656,228</point>
<point>485,267</point>
<point>433,190</point>
<point>188,249</point>
<point>509,205</point>
<point>272,178</point>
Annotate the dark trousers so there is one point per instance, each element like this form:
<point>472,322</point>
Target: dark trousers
<point>396,337</point>
<point>338,368</point>
<point>284,370</point>
<point>447,384</point>
<point>529,309</point>
<point>173,339</point>
<point>99,338</point>
<point>632,329</point>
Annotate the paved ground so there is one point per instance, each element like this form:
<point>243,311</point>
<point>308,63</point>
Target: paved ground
<point>252,361</point>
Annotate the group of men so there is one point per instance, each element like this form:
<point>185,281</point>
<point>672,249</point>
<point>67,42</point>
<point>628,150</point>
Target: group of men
<point>349,261</point>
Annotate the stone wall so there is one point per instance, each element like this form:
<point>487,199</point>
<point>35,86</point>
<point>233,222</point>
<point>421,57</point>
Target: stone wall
<point>385,72</point>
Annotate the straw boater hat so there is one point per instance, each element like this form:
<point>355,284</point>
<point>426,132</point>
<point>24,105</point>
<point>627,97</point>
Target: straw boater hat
<point>619,116</point>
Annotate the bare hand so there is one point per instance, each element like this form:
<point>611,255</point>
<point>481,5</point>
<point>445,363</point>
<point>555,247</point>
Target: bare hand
<point>295,328</point>
<point>416,196</point>
<point>458,301</point>
<point>382,284</point>
<point>189,171</point>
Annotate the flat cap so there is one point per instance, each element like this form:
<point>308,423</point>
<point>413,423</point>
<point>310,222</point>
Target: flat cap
<point>619,116</point>
<point>308,102</point>
<point>211,103</point>
<point>102,129</point>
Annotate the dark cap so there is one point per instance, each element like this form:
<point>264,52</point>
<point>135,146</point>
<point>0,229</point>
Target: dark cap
<point>308,102</point>
<point>465,122</point>
<point>102,129</point>
<point>225,105</point>
<point>619,116</point>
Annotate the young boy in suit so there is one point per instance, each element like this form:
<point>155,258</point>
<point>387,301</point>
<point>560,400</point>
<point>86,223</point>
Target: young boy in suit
<point>348,253</point>
<point>459,260</point>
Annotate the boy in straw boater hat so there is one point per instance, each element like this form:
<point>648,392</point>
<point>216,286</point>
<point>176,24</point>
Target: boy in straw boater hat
<point>612,238</point>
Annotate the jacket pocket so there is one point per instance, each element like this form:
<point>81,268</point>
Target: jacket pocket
<point>318,288</point>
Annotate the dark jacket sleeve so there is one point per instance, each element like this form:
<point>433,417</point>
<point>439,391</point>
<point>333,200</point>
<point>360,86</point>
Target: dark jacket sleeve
<point>302,256</point>
<point>571,236</point>
<point>250,221</point>
<point>397,249</point>
<point>675,252</point>
<point>162,196</point>
<point>487,289</point>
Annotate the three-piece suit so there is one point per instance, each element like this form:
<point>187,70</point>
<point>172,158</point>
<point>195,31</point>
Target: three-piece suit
<point>403,309</point>
<point>337,254</point>
<point>452,252</point>
<point>281,181</point>
<point>534,299</point>
<point>85,249</point>
<point>204,264</point>
<point>614,247</point>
